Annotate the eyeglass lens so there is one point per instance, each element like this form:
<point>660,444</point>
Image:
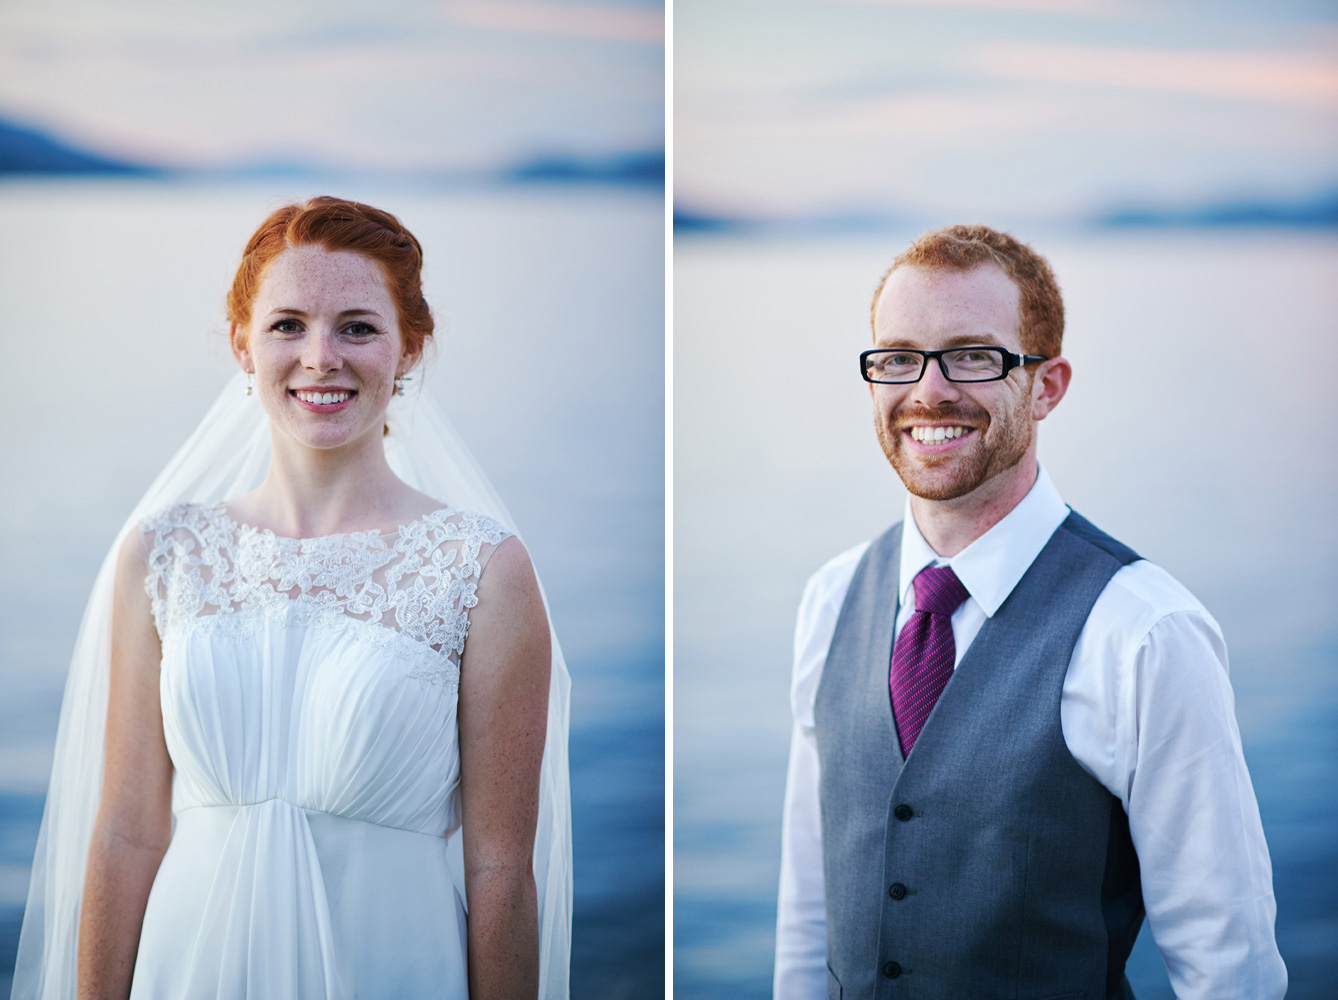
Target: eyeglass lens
<point>967,365</point>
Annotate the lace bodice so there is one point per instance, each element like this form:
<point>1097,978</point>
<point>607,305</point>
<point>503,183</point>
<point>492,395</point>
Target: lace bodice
<point>407,592</point>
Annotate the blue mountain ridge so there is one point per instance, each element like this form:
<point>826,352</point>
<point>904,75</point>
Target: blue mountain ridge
<point>1318,211</point>
<point>28,151</point>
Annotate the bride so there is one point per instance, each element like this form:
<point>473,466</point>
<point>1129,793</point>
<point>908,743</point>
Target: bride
<point>312,674</point>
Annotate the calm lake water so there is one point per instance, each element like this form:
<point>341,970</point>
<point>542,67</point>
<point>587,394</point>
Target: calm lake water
<point>1201,428</point>
<point>114,350</point>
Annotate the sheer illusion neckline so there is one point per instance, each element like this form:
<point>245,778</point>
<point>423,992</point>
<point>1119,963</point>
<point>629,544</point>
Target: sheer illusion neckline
<point>209,574</point>
<point>221,509</point>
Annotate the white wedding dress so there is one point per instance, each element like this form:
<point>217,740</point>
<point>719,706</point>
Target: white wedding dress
<point>309,693</point>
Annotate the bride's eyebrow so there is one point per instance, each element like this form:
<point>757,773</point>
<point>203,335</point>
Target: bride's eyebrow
<point>286,311</point>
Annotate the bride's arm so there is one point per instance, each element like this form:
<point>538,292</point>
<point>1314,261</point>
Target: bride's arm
<point>503,716</point>
<point>134,821</point>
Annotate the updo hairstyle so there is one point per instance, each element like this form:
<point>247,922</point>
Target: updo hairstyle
<point>338,226</point>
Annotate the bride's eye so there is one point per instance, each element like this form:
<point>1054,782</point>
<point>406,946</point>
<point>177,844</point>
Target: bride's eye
<point>285,326</point>
<point>360,330</point>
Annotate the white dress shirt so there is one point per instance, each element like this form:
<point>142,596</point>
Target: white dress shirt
<point>1146,709</point>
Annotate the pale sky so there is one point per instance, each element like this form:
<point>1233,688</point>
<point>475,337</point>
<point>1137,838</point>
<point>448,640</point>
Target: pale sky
<point>406,84</point>
<point>1038,108</point>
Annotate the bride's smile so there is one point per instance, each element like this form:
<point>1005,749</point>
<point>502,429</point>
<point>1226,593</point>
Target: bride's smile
<point>323,400</point>
<point>324,344</point>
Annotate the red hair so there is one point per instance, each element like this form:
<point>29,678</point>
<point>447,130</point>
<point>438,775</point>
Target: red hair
<point>337,225</point>
<point>964,248</point>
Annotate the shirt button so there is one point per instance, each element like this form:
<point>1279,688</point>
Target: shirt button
<point>902,812</point>
<point>892,970</point>
<point>896,890</point>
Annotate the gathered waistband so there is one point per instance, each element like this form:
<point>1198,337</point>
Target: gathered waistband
<point>278,800</point>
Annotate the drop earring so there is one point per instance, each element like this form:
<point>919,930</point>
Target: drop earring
<point>400,381</point>
<point>250,383</point>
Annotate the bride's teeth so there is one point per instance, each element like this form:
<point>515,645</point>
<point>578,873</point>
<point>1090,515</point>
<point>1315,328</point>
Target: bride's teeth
<point>328,398</point>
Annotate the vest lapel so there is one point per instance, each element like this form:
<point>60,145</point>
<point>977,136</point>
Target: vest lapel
<point>883,586</point>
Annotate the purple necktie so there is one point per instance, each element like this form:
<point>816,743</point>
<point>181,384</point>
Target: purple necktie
<point>924,652</point>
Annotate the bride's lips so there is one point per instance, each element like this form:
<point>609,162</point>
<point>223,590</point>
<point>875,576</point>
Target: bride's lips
<point>313,398</point>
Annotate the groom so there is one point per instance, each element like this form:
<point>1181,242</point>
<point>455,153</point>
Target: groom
<point>1012,735</point>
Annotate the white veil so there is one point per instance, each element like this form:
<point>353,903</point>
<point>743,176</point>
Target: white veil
<point>228,454</point>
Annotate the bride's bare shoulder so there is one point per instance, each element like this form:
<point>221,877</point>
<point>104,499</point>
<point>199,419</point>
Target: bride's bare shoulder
<point>132,605</point>
<point>508,592</point>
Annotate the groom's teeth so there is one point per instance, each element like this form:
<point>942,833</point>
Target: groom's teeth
<point>933,435</point>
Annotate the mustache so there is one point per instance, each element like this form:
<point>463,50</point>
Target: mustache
<point>961,413</point>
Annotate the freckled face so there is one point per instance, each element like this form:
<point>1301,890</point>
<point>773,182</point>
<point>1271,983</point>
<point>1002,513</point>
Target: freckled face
<point>325,346</point>
<point>946,439</point>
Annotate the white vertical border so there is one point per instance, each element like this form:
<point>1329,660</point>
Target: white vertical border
<point>668,498</point>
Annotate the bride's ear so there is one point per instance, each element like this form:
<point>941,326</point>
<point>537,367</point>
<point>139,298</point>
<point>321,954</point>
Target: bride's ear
<point>237,341</point>
<point>408,361</point>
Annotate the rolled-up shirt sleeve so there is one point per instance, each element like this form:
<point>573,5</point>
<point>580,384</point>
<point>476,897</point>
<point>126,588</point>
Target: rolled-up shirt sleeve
<point>1148,711</point>
<point>801,923</point>
<point>1207,878</point>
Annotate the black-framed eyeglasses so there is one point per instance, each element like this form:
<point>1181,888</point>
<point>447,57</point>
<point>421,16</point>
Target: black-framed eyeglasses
<point>900,365</point>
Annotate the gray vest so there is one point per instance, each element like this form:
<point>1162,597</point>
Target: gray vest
<point>989,864</point>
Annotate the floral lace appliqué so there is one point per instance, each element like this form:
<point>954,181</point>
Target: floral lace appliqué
<point>408,593</point>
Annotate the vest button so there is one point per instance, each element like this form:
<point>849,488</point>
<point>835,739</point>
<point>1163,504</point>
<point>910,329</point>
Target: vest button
<point>896,890</point>
<point>892,970</point>
<point>902,812</point>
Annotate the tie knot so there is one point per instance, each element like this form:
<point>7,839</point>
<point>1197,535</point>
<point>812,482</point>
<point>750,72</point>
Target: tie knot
<point>938,591</point>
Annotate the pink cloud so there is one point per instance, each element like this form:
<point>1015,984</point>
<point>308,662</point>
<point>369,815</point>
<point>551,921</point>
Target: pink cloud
<point>1291,78</point>
<point>566,20</point>
<point>1100,8</point>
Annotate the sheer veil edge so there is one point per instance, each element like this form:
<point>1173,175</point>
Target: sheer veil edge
<point>227,455</point>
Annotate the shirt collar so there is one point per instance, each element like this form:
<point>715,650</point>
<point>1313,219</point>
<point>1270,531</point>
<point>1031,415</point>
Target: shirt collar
<point>991,566</point>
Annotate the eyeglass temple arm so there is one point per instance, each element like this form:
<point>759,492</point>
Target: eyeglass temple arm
<point>1021,360</point>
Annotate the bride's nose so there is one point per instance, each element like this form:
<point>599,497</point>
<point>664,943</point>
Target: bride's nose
<point>320,352</point>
